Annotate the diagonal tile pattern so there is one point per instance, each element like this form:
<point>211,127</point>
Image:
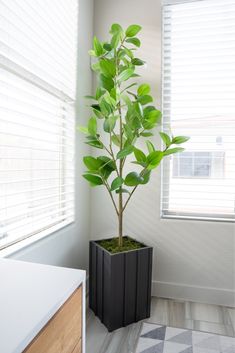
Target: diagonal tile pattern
<point>164,339</point>
<point>158,333</point>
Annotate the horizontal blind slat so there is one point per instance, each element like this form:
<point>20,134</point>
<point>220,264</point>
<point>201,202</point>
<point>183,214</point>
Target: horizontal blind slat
<point>44,53</point>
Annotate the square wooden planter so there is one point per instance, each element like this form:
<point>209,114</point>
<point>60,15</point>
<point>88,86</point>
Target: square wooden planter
<point>120,285</point>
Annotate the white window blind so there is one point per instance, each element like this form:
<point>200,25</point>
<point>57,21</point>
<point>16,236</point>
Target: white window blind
<point>38,43</point>
<point>199,101</point>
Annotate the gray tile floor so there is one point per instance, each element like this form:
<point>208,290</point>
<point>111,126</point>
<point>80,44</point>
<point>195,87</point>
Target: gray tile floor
<point>202,317</point>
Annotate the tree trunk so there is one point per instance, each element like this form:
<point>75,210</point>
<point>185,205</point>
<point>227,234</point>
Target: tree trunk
<point>120,221</point>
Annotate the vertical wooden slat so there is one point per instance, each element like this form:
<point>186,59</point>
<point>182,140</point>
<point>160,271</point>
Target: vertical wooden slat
<point>130,288</point>
<point>92,278</point>
<point>99,284</point>
<point>142,284</point>
<point>117,290</point>
<point>107,308</point>
<point>149,293</point>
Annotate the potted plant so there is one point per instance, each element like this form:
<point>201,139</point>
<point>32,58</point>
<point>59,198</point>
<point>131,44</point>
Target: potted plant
<point>121,267</point>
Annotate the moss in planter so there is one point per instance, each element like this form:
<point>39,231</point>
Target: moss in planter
<point>112,246</point>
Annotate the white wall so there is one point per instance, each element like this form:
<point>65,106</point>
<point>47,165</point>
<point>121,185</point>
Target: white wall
<point>192,260</point>
<point>69,246</point>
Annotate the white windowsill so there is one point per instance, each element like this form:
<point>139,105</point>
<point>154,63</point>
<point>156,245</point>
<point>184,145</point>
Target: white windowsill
<point>11,249</point>
<point>196,218</point>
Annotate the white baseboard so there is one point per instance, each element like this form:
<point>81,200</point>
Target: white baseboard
<point>207,295</point>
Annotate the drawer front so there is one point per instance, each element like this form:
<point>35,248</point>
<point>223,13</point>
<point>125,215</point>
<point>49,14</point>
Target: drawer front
<point>63,332</point>
<point>78,348</point>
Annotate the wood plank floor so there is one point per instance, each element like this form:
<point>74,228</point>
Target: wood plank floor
<point>196,316</point>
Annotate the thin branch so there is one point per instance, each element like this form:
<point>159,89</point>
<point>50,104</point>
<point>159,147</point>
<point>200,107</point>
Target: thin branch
<point>141,174</point>
<point>106,149</point>
<point>112,154</point>
<point>110,194</point>
<point>129,197</point>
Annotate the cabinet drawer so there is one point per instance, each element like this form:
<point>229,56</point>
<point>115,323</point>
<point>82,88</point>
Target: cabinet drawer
<point>78,348</point>
<point>63,332</point>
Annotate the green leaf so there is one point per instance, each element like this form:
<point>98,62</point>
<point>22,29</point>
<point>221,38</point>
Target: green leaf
<point>133,118</point>
<point>107,166</point>
<point>109,100</point>
<point>99,93</point>
<point>94,142</point>
<point>134,41</point>
<point>146,99</point>
<point>143,89</point>
<point>165,138</point>
<point>107,162</point>
<point>90,97</point>
<point>125,75</point>
<point>137,62</point>
<point>127,100</point>
<point>96,67</point>
<point>180,139</point>
<point>125,152</point>
<point>128,132</point>
<point>133,30</point>
<point>92,126</point>
<point>83,129</point>
<point>116,28</point>
<point>133,179</point>
<point>115,94</point>
<point>106,82</point>
<point>129,86</point>
<point>91,163</point>
<point>129,53</point>
<point>139,155</point>
<point>108,67</point>
<point>150,146</point>
<point>138,108</point>
<point>143,164</point>
<point>96,110</point>
<point>151,117</point>
<point>105,107</point>
<point>122,191</point>
<point>107,46</point>
<point>154,159</point>
<point>146,134</point>
<point>115,40</point>
<point>98,48</point>
<point>173,150</point>
<point>135,75</point>
<point>93,179</point>
<point>109,123</point>
<point>117,182</point>
<point>146,177</point>
<point>116,140</point>
<point>91,53</point>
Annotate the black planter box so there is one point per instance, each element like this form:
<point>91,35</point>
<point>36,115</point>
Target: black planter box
<point>120,285</point>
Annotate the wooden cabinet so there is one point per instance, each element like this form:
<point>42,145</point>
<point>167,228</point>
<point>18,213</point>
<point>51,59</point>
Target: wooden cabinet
<point>78,348</point>
<point>63,333</point>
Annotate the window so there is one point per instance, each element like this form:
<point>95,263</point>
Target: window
<point>37,101</point>
<point>198,165</point>
<point>199,101</point>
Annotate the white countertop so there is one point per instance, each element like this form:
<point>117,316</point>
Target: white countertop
<point>30,294</point>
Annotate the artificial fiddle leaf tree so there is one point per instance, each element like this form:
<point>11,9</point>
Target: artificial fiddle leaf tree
<point>125,112</point>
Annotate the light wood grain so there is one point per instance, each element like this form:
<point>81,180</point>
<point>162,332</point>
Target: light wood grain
<point>63,331</point>
<point>78,348</point>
